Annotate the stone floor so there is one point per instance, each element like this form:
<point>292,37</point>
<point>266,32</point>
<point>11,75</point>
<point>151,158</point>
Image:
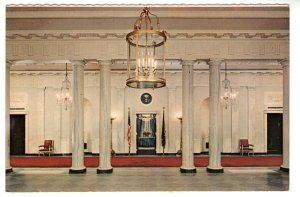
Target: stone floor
<point>146,179</point>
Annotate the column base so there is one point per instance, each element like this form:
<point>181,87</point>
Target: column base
<point>210,170</point>
<point>112,152</point>
<point>182,170</point>
<point>9,170</point>
<point>179,153</point>
<point>80,171</point>
<point>284,169</point>
<point>107,171</point>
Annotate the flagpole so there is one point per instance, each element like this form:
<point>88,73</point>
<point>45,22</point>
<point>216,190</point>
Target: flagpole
<point>163,132</point>
<point>179,152</point>
<point>111,145</point>
<point>129,132</point>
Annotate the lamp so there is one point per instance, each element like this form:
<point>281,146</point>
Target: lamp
<point>112,152</point>
<point>146,53</point>
<point>179,152</point>
<point>64,97</point>
<point>228,97</point>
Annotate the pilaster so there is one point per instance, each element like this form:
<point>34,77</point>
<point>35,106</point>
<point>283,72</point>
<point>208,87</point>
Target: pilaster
<point>7,118</point>
<point>286,125</point>
<point>172,119</point>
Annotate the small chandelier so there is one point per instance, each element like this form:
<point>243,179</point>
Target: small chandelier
<point>146,53</point>
<point>228,97</point>
<point>64,97</point>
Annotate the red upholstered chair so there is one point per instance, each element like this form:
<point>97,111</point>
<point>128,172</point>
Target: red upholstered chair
<point>245,147</point>
<point>47,147</point>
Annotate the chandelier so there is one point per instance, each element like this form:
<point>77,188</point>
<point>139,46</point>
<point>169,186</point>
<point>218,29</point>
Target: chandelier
<point>64,96</point>
<point>146,53</point>
<point>228,98</point>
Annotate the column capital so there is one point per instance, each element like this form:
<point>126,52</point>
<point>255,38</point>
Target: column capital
<point>215,62</point>
<point>105,62</point>
<point>284,62</point>
<point>188,62</point>
<point>77,62</point>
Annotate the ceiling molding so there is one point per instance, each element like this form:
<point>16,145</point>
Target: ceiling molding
<point>174,65</point>
<point>94,72</point>
<point>45,36</point>
<point>166,10</point>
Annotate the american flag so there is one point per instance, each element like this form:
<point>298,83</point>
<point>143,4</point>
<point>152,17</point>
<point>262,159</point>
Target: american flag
<point>129,130</point>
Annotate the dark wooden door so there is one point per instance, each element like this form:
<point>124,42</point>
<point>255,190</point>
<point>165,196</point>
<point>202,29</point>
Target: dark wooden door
<point>274,125</point>
<point>17,134</point>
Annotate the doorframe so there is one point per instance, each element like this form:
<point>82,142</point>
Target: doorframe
<point>157,134</point>
<point>23,112</point>
<point>266,112</point>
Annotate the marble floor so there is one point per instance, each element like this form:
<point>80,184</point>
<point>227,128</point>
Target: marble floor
<point>146,179</point>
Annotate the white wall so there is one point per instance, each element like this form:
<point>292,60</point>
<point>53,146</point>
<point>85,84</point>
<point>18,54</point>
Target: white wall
<point>46,118</point>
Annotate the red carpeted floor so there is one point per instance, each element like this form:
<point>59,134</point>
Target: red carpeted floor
<point>159,161</point>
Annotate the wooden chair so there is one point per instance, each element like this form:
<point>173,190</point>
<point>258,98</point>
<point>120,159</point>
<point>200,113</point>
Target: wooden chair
<point>47,147</point>
<point>245,147</point>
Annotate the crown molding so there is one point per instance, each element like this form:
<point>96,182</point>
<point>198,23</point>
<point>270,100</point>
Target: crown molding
<point>162,10</point>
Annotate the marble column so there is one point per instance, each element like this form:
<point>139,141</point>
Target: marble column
<point>105,113</point>
<point>215,135</point>
<point>7,119</point>
<point>187,118</point>
<point>286,129</point>
<point>78,119</point>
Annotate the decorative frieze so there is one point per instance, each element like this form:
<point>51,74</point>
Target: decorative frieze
<point>66,36</point>
<point>69,36</point>
<point>176,49</point>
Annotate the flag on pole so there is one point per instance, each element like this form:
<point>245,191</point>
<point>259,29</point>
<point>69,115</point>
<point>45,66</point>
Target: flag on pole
<point>163,132</point>
<point>129,130</point>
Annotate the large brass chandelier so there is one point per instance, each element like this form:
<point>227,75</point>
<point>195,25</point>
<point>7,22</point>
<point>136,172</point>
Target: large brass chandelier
<point>146,53</point>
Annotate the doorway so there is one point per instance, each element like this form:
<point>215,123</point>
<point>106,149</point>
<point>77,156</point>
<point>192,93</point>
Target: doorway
<point>17,134</point>
<point>274,133</point>
<point>146,134</point>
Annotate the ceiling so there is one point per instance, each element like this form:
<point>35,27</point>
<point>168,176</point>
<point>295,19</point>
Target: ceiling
<point>173,18</point>
<point>204,17</point>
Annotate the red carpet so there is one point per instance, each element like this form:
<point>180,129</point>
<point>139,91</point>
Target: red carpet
<point>159,161</point>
